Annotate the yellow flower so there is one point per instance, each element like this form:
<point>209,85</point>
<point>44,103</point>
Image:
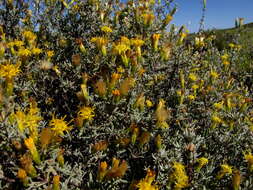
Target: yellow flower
<point>56,69</point>
<point>202,162</point>
<point>161,114</point>
<point>218,105</point>
<point>214,74</point>
<point>236,179</point>
<point>86,113</point>
<point>191,97</point>
<point>149,103</point>
<point>179,176</point>
<point>106,29</point>
<point>166,52</point>
<point>120,69</point>
<point>231,45</point>
<point>24,52</point>
<point>8,71</point>
<point>36,51</point>
<point>249,158</point>
<point>59,126</point>
<point>225,62</point>
<point>168,19</point>
<point>125,40</point>
<point>29,143</point>
<point>56,182</point>
<point>137,42</point>
<point>50,53</point>
<point>120,49</point>
<point>182,37</point>
<point>216,119</point>
<point>100,43</point>
<point>22,175</point>
<point>225,169</point>
<point>155,39</point>
<point>116,92</point>
<point>148,18</point>
<point>195,86</point>
<point>224,57</point>
<point>193,77</point>
<point>21,120</point>
<point>30,36</point>
<point>18,43</point>
<point>102,170</point>
<point>199,41</point>
<point>146,183</point>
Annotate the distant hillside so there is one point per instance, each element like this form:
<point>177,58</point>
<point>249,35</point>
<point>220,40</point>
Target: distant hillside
<point>242,36</point>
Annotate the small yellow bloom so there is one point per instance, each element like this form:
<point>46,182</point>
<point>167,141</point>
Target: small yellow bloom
<point>225,169</point>
<point>218,105</point>
<point>191,97</point>
<point>50,53</point>
<point>155,39</point>
<point>120,69</point>
<point>30,36</point>
<point>106,29</point>
<point>8,71</point>
<point>231,45</point>
<point>22,175</point>
<point>125,40</point>
<point>214,74</point>
<point>199,41</point>
<point>195,86</point>
<point>86,113</point>
<point>116,92</point>
<point>193,77</point>
<point>24,52</point>
<point>59,126</point>
<point>179,176</point>
<point>101,43</point>
<point>149,103</point>
<point>216,119</point>
<point>224,57</point>
<point>18,43</point>
<point>137,42</point>
<point>249,158</point>
<point>201,162</point>
<point>148,18</point>
<point>29,143</point>
<point>36,51</point>
<point>56,182</point>
<point>168,19</point>
<point>56,69</point>
<point>146,183</point>
<point>120,49</point>
<point>102,170</point>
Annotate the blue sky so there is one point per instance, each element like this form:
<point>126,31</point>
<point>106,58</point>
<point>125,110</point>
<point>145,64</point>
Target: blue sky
<point>219,13</point>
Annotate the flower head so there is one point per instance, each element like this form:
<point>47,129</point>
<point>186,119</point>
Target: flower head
<point>29,143</point>
<point>179,176</point>
<point>225,169</point>
<point>86,113</point>
<point>106,29</point>
<point>201,162</point>
<point>8,71</point>
<point>148,18</point>
<point>146,183</point>
<point>193,77</point>
<point>249,158</point>
<point>59,126</point>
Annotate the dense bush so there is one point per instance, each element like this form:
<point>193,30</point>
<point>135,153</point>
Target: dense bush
<point>106,95</point>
